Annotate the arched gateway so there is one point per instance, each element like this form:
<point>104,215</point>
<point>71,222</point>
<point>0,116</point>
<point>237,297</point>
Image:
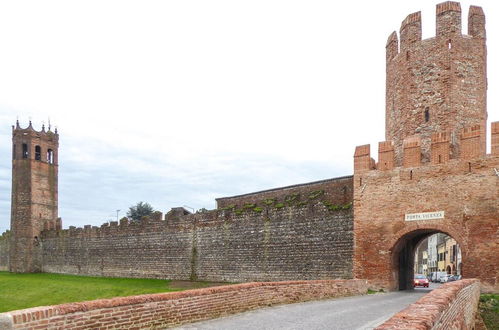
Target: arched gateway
<point>433,173</point>
<point>402,252</point>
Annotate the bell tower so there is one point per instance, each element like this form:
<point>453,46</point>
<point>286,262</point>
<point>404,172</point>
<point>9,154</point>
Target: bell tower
<point>34,194</point>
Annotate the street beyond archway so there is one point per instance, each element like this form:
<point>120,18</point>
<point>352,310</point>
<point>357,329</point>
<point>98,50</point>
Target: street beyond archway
<point>359,312</point>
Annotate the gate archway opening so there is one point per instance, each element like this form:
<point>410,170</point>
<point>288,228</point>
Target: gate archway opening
<point>429,252</point>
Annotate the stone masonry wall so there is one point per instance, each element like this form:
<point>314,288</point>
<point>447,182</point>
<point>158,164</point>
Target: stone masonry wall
<point>154,248</point>
<point>437,84</point>
<point>172,309</point>
<point>4,251</point>
<point>306,242</point>
<point>452,306</point>
<point>298,237</point>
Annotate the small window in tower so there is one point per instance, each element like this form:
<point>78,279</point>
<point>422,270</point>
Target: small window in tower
<point>14,151</point>
<point>407,56</point>
<point>427,114</point>
<point>50,156</point>
<point>25,150</point>
<point>38,153</point>
<point>439,159</point>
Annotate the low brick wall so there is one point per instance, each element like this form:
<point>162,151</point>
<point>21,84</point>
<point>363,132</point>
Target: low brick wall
<point>175,308</point>
<point>452,306</point>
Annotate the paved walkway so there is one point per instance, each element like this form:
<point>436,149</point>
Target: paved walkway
<point>360,312</point>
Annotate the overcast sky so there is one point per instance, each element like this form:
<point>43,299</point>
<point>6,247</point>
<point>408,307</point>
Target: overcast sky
<point>180,102</point>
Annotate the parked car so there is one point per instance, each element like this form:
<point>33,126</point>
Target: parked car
<point>454,278</point>
<point>435,276</point>
<point>444,278</point>
<point>421,280</point>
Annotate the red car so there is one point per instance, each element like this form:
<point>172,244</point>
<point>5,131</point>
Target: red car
<point>421,280</point>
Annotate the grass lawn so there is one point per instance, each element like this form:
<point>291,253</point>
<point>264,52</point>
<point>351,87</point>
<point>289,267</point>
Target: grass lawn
<point>19,291</point>
<point>489,309</point>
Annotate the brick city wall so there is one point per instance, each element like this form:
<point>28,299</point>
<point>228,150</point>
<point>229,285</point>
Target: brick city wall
<point>452,306</point>
<point>176,308</point>
<point>300,236</point>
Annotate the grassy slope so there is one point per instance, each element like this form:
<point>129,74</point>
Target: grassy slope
<point>489,309</point>
<point>19,291</point>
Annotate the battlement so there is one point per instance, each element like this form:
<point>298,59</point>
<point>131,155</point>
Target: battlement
<point>412,151</point>
<point>437,84</point>
<point>448,25</point>
<point>440,150</point>
<point>124,226</point>
<point>410,30</point>
<point>495,139</point>
<point>386,155</point>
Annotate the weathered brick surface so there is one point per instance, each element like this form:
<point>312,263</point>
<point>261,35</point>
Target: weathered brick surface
<point>412,151</point>
<point>293,242</point>
<point>362,159</point>
<point>171,309</point>
<point>495,139</point>
<point>435,115</point>
<point>154,248</point>
<point>338,190</point>
<point>452,306</point>
<point>468,193</point>
<point>307,242</point>
<point>34,194</point>
<point>386,156</point>
<point>436,84</point>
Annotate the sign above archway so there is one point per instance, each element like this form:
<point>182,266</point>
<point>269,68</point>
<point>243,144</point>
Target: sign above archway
<point>425,216</point>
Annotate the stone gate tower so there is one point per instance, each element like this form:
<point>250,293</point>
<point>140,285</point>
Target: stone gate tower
<point>437,84</point>
<point>34,194</point>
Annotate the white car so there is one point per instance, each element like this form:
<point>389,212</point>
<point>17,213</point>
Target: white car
<point>444,278</point>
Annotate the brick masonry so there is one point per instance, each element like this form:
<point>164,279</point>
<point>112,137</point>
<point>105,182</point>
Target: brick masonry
<point>34,194</point>
<point>293,242</point>
<point>468,193</point>
<point>339,190</point>
<point>434,158</point>
<point>437,84</point>
<point>431,161</point>
<point>452,306</point>
<point>176,308</point>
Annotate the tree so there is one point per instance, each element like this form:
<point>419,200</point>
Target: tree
<point>140,210</point>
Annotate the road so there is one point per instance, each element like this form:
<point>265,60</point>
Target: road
<point>359,312</point>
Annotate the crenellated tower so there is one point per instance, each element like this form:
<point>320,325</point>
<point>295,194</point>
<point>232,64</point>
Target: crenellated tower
<point>433,174</point>
<point>438,84</point>
<point>34,194</point>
